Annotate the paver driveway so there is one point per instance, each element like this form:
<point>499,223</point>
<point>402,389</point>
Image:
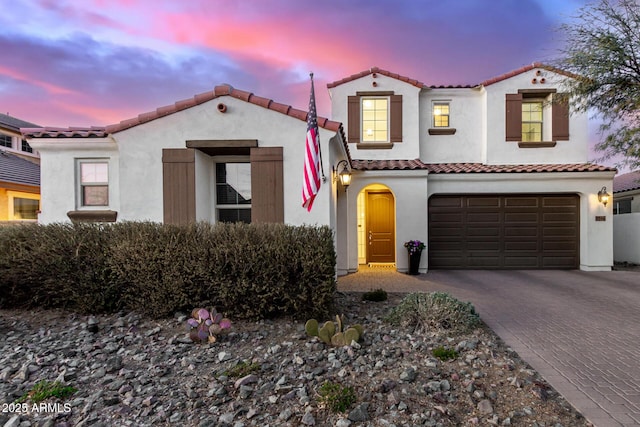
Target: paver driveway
<point>580,330</point>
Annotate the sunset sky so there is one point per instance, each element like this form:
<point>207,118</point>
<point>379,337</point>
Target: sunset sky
<point>97,62</point>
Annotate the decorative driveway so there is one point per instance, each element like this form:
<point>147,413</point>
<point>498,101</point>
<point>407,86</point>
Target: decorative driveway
<point>579,330</point>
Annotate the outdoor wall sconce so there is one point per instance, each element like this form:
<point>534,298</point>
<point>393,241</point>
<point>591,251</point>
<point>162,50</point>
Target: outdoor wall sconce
<point>344,175</point>
<point>603,196</point>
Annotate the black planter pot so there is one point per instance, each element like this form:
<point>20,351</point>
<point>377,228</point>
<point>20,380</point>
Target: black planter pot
<point>414,263</point>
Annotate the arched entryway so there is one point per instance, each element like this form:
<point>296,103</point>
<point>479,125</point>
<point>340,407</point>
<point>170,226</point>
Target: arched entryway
<point>376,225</point>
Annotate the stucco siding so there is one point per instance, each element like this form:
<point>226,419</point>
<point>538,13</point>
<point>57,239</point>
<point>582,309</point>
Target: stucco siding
<point>626,238</point>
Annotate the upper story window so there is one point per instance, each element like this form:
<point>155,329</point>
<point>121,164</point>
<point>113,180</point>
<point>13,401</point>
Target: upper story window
<point>440,114</point>
<point>93,183</point>
<point>532,121</point>
<point>233,192</point>
<point>6,140</point>
<point>26,147</point>
<point>536,117</point>
<point>375,119</point>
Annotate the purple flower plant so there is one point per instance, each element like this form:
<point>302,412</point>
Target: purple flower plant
<point>414,246</point>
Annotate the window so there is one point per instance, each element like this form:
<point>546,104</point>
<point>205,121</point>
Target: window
<point>233,192</point>
<point>6,140</point>
<point>23,206</point>
<point>375,119</point>
<point>440,114</point>
<point>26,147</point>
<point>532,121</point>
<point>622,206</point>
<point>94,183</point>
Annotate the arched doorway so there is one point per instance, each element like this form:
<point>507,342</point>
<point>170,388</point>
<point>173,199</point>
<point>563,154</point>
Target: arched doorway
<point>376,225</point>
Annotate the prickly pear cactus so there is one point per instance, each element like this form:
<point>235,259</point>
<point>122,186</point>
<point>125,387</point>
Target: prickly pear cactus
<point>333,333</point>
<point>311,327</point>
<point>205,325</point>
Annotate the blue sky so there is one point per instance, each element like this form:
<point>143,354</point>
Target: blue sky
<point>96,62</point>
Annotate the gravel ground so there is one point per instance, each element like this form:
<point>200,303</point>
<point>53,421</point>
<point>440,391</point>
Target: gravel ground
<point>134,371</point>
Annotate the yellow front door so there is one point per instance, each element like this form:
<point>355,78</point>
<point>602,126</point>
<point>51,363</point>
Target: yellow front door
<point>380,227</point>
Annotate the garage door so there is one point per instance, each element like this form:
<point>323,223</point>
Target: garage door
<point>504,231</point>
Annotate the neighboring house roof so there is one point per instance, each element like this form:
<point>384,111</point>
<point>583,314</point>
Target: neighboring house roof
<point>10,122</point>
<point>474,167</point>
<point>421,85</point>
<point>626,182</point>
<point>17,170</point>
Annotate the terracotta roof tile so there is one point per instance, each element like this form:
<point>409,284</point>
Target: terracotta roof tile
<point>221,90</point>
<point>438,168</point>
<point>626,182</point>
<point>377,70</point>
<point>524,70</point>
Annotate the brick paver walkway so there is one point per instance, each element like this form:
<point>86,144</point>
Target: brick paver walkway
<point>579,330</point>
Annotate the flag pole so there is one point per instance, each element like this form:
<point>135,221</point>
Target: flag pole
<point>324,178</point>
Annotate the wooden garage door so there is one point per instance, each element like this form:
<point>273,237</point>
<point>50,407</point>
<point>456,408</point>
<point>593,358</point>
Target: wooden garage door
<point>504,232</point>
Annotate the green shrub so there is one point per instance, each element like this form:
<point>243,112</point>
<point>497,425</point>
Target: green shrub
<point>444,353</point>
<point>43,390</point>
<point>375,295</point>
<point>436,310</point>
<point>336,397</point>
<point>242,369</point>
<point>245,270</point>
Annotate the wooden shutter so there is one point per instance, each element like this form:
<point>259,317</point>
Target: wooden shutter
<point>179,185</point>
<point>267,185</point>
<point>395,117</point>
<point>353,119</point>
<point>560,118</point>
<point>513,118</point>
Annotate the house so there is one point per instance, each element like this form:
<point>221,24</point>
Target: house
<point>626,220</point>
<point>492,175</point>
<point>19,173</point>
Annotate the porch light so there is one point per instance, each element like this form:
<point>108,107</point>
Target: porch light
<point>603,196</point>
<point>344,175</point>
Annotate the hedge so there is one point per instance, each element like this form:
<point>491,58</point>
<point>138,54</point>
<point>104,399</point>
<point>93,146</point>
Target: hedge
<point>244,270</point>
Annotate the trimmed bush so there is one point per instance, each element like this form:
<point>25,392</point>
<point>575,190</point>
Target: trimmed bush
<point>245,270</point>
<point>434,311</point>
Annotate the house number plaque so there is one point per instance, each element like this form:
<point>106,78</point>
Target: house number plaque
<point>601,218</point>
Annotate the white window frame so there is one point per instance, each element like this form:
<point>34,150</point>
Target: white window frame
<point>541,102</point>
<point>439,102</point>
<point>80,184</point>
<point>12,195</point>
<point>216,206</point>
<point>362,127</point>
<point>13,141</point>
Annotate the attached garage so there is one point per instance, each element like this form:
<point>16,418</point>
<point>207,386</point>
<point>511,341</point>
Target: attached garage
<point>521,231</point>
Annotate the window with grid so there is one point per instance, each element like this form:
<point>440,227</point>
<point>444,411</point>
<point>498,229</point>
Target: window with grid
<point>93,183</point>
<point>233,192</point>
<point>375,119</point>
<point>26,147</point>
<point>532,121</point>
<point>6,140</point>
<point>23,206</point>
<point>440,114</point>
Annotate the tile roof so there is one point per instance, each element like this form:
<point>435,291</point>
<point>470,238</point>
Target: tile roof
<point>421,85</point>
<point>626,182</point>
<point>377,70</point>
<point>14,124</point>
<point>222,90</point>
<point>474,167</point>
<point>17,170</point>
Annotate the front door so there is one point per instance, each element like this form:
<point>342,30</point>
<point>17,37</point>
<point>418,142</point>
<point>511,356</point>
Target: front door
<point>381,239</point>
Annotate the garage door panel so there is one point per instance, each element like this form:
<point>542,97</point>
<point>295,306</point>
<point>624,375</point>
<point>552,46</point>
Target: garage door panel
<point>504,231</point>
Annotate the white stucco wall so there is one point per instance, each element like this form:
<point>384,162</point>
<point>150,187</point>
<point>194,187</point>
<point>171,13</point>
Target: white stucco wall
<point>136,161</point>
<point>596,246</point>
<point>409,147</point>
<point>58,170</point>
<point>500,151</point>
<point>626,238</point>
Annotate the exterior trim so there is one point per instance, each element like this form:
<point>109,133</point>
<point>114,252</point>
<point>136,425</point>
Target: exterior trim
<point>178,185</point>
<point>93,216</point>
<point>224,147</point>
<point>267,184</point>
<point>374,145</point>
<point>543,144</point>
<point>442,131</point>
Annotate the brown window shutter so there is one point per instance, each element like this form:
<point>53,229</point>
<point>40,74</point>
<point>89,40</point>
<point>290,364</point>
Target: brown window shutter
<point>267,185</point>
<point>514,117</point>
<point>179,185</point>
<point>560,118</point>
<point>353,119</point>
<point>395,117</point>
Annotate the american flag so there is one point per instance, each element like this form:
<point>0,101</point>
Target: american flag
<point>311,183</point>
